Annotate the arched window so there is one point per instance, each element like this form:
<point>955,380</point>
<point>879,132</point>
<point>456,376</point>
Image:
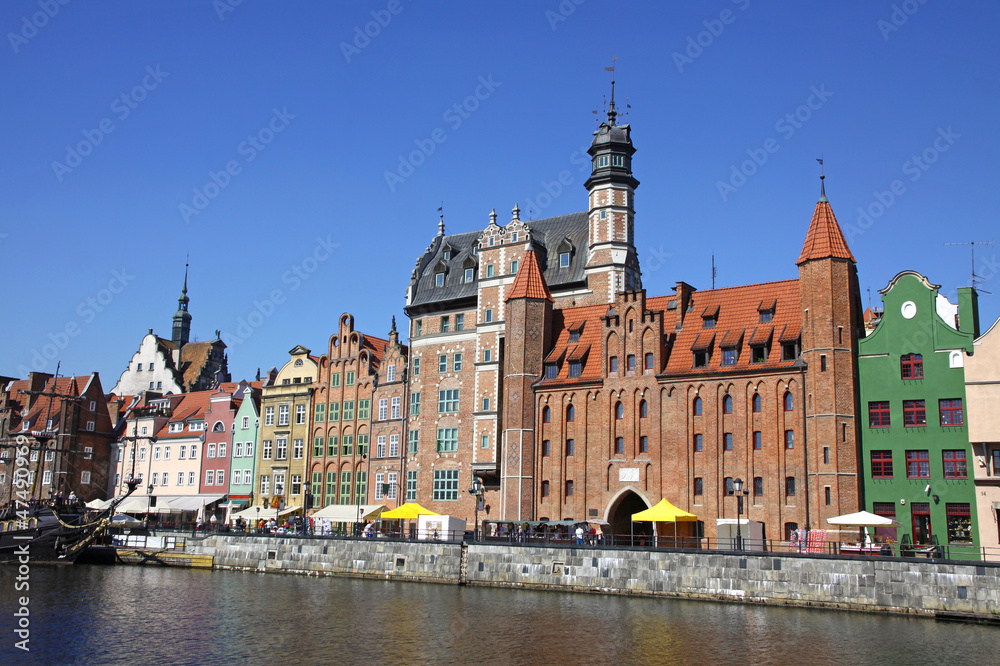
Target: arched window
<point>546,415</point>
<point>756,402</point>
<point>643,409</point>
<point>619,411</point>
<point>727,405</point>
<point>570,413</point>
<point>697,406</point>
<point>789,405</point>
<point>218,427</point>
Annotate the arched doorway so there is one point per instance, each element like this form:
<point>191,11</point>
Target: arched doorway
<point>620,518</point>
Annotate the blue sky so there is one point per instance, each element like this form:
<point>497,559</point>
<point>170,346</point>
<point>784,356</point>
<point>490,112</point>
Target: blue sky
<point>258,138</point>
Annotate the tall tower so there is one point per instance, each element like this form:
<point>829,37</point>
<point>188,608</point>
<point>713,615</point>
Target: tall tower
<point>182,318</point>
<point>831,325</point>
<point>612,263</point>
<point>528,328</point>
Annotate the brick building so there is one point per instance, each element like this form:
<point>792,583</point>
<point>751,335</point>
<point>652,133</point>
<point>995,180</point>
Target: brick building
<point>538,364</point>
<point>386,464</point>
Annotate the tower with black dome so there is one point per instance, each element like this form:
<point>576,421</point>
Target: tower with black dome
<point>182,318</point>
<point>612,262</point>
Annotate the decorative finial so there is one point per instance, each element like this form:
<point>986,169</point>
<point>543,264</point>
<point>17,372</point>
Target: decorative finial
<point>612,113</point>
<point>516,212</point>
<point>822,185</point>
<point>393,329</point>
<point>493,216</point>
<point>187,259</point>
<point>441,219</point>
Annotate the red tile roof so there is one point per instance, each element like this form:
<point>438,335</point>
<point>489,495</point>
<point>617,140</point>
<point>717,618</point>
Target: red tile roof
<point>191,406</point>
<point>824,238</point>
<point>529,283</point>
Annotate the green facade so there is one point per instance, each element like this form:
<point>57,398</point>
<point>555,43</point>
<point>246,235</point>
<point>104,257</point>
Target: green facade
<point>930,485</point>
<point>245,429</point>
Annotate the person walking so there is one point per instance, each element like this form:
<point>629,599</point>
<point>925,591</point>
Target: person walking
<point>579,535</point>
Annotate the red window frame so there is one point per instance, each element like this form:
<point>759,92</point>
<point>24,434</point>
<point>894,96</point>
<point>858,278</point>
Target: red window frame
<point>951,412</point>
<point>918,465</point>
<point>881,464</point>
<point>914,413</point>
<point>878,414</point>
<point>955,464</point>
<point>884,509</point>
<point>911,366</point>
<point>648,361</point>
<point>959,517</point>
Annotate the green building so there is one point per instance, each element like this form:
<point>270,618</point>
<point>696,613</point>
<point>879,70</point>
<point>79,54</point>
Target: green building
<point>915,446</point>
<point>245,428</point>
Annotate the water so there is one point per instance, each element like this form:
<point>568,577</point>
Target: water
<point>145,615</point>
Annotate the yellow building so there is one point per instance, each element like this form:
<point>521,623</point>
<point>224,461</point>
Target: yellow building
<point>284,431</point>
<point>982,392</point>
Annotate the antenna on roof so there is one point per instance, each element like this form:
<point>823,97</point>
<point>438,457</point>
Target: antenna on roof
<point>714,272</point>
<point>976,279</point>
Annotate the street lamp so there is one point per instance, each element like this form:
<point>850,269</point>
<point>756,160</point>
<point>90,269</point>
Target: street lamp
<point>476,491</point>
<point>306,487</point>
<point>740,492</point>
<point>357,525</point>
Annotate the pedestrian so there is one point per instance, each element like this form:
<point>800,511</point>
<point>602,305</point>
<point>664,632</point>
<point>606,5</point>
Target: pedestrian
<point>598,535</point>
<point>579,535</point>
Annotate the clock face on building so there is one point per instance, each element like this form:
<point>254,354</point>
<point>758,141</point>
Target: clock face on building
<point>908,310</point>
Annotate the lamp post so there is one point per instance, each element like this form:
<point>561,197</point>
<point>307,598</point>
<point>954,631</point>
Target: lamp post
<point>476,491</point>
<point>740,492</point>
<point>306,487</point>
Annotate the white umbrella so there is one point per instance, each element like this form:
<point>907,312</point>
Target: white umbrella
<point>862,519</point>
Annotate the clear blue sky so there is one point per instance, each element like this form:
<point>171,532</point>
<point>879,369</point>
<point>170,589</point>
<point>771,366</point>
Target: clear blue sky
<point>310,117</point>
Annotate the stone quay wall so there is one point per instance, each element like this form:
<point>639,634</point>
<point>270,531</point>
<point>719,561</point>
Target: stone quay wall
<point>892,585</point>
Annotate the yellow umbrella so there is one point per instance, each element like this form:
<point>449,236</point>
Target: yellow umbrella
<point>407,511</point>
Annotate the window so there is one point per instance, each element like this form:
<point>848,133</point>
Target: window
<point>332,446</point>
<point>789,402</point>
<point>756,402</point>
<point>878,414</point>
<point>283,412</point>
<point>380,447</point>
<point>643,444</point>
<point>348,410</point>
<point>298,448</point>
<point>790,529</point>
<point>281,448</point>
<point>397,408</point>
<point>728,357</point>
<point>487,355</point>
<point>345,485</point>
<point>708,322</point>
<point>390,373</point>
<point>758,443</point>
<point>701,359</point>
<point>364,409</point>
<point>90,426</point>
<point>84,478</point>
<point>911,366</point>
<point>727,441</point>
<point>439,279</point>
<point>349,379</point>
<point>247,477</point>
<point>698,442</point>
<point>266,450</point>
<point>418,329</point>
<point>574,336</point>
<point>139,367</point>
<point>484,442</point>
<point>296,484</point>
<point>881,464</point>
<point>996,462</point>
<point>379,485</point>
<point>383,409</point>
<point>415,404</point>
<point>697,407</point>
<point>88,453</point>
<point>884,509</point>
<point>575,367</point>
<point>318,446</point>
<point>486,403</point>
<point>269,416</point>
<point>619,445</point>
<point>448,401</point>
<point>954,464</point>
<point>443,363</point>
<point>546,415</point>
<point>246,422</point>
<point>191,478</point>
<point>826,455</point>
<point>166,453</point>
<point>727,404</point>
<point>789,486</point>
<point>959,523</point>
<point>347,445</point>
<point>570,413</point>
<point>569,447</point>
<point>300,414</point>
<point>826,495</point>
<point>334,412</point>
<point>619,411</point>
<point>758,486</point>
<point>728,482</point>
<point>613,364</point>
<point>758,353</point>
<point>488,315</point>
<point>445,484</point>
<point>699,486</point>
<point>766,316</point>
<point>447,440</point>
<point>789,439</point>
<point>513,266</point>
<point>470,274</point>
<point>564,260</point>
<point>394,446</point>
<point>545,447</point>
<point>445,325</point>
<point>411,485</point>
<point>545,488</point>
<point>569,488</point>
<point>788,351</point>
<point>914,413</point>
<point>210,477</point>
<point>155,477</point>
<point>265,485</point>
<point>489,270</point>
<point>648,361</point>
<point>918,465</point>
<point>457,362</point>
<point>951,412</point>
<point>47,477</point>
<point>630,362</point>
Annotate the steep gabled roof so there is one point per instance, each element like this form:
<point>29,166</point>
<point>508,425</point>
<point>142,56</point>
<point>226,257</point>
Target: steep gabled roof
<point>529,282</point>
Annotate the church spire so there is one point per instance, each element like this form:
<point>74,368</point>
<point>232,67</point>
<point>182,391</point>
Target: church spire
<point>824,239</point>
<point>612,113</point>
<point>182,318</point>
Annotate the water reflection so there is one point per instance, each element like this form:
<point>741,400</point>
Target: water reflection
<point>119,615</point>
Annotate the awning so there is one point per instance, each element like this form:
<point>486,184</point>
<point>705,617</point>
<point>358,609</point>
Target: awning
<point>407,511</point>
<point>190,502</point>
<point>255,512</point>
<point>348,513</point>
<point>862,519</point>
<point>664,512</point>
<point>99,504</point>
<point>140,504</point>
<point>289,510</point>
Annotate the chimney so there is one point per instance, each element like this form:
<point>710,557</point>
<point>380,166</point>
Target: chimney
<point>684,292</point>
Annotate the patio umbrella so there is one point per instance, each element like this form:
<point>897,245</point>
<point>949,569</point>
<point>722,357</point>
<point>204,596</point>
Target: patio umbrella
<point>407,511</point>
<point>862,519</point>
<point>125,521</point>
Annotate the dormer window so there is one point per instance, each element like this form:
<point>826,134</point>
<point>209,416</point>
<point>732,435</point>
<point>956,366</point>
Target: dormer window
<point>708,322</point>
<point>447,254</point>
<point>701,359</point>
<point>564,260</point>
<point>601,161</point>
<point>574,336</point>
<point>766,316</point>
<point>551,370</point>
<point>618,160</point>
<point>439,279</point>
<point>470,275</point>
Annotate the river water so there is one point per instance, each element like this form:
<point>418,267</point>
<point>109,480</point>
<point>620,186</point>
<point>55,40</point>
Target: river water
<point>145,615</point>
